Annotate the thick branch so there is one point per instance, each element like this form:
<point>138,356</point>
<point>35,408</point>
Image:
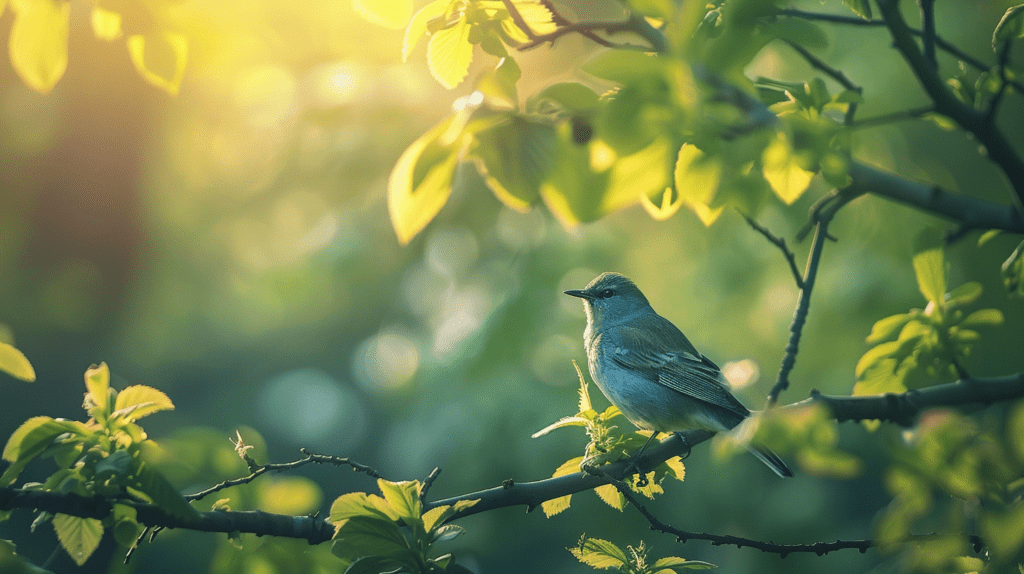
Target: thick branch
<point>968,211</point>
<point>946,103</point>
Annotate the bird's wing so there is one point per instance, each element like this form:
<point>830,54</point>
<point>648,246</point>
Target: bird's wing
<point>662,354</point>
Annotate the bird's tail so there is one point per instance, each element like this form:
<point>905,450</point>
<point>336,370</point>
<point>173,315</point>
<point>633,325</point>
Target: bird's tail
<point>771,459</point>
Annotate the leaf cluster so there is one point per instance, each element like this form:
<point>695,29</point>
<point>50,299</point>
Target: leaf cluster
<point>39,40</point>
<point>607,444</point>
<point>104,456</point>
<point>930,344</point>
<point>601,554</point>
<point>368,535</point>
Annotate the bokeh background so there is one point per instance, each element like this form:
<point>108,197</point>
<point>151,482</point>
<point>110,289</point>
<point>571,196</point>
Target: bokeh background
<point>231,247</point>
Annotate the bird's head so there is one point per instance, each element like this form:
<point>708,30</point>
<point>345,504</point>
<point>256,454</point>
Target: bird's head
<point>609,298</point>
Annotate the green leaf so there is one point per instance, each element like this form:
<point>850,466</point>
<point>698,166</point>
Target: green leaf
<point>421,182</point>
<point>887,327</point>
<point>676,563</point>
<point>79,536</point>
<point>1010,26</point>
<point>676,468</point>
<point>783,171</point>
<point>388,13</point>
<point>611,496</point>
<point>360,504</point>
<point>644,173</point>
<point>139,401</point>
<point>448,532</point>
<point>499,85</point>
<point>556,505</point>
<point>514,158</point>
<point>625,67</point>
<point>1013,271</point>
<point>417,27</point>
<point>571,97</point>
<point>988,236</point>
<point>39,42</point>
<point>963,295</point>
<point>361,536</point>
<point>403,497</point>
<point>654,8</point>
<point>861,8</point>
<point>97,381</point>
<point>10,561</point>
<point>560,423</point>
<point>1004,531</point>
<point>160,58</point>
<point>14,363</point>
<point>373,565</point>
<point>162,493</point>
<point>697,177</point>
<point>929,266</point>
<point>126,526</point>
<point>32,438</point>
<point>598,553</point>
<point>449,54</point>
<point>983,317</point>
<point>117,463</point>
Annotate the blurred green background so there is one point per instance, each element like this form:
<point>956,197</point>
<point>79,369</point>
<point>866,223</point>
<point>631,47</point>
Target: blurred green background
<point>231,247</point>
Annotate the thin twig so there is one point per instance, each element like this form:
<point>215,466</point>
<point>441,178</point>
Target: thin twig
<point>889,118</point>
<point>855,21</point>
<point>836,74</point>
<point>1004,60</point>
<point>783,550</point>
<point>781,244</point>
<point>263,469</point>
<point>587,30</point>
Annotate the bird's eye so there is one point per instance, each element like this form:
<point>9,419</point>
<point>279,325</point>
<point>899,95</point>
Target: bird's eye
<point>606,293</point>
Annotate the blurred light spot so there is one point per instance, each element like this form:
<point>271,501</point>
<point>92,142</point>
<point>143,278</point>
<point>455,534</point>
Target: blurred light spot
<point>333,85</point>
<point>385,362</point>
<point>423,290</point>
<point>291,495</point>
<point>741,374</point>
<point>265,94</point>
<point>308,406</point>
<point>463,314</point>
<point>551,360</point>
<point>451,251</point>
<point>521,230</point>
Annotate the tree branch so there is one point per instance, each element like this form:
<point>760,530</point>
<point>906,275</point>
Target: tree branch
<point>836,74</point>
<point>928,31</point>
<point>946,103</point>
<point>913,113</point>
<point>968,211</point>
<point>587,30</point>
<point>781,244</point>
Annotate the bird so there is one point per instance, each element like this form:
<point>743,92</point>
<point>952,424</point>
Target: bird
<point>648,369</point>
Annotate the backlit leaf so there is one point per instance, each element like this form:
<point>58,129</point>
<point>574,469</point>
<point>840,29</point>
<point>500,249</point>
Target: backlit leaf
<point>697,178</point>
<point>39,42</point>
<point>138,401</point>
<point>611,496</point>
<point>449,54</point>
<point>984,317</point>
<point>403,497</point>
<point>964,294</point>
<point>1010,26</point>
<point>79,536</point>
<point>360,504</point>
<point>783,172</point>
<point>514,158</point>
<point>929,266</point>
<point>418,25</point>
<point>106,25</point>
<point>14,363</point>
<point>388,13</point>
<point>598,553</point>
<point>861,8</point>
<point>421,182</point>
<point>368,536</point>
<point>887,327</point>
<point>160,58</point>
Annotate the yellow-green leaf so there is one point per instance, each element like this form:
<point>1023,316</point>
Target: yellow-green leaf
<point>1004,531</point>
<point>929,265</point>
<point>403,497</point>
<point>160,58</point>
<point>984,317</point>
<point>388,13</point>
<point>14,363</point>
<point>676,468</point>
<point>39,42</point>
<point>435,516</point>
<point>611,496</point>
<point>449,54</point>
<point>79,536</point>
<point>106,24</point>
<point>97,381</point>
<point>418,25</point>
<point>421,182</point>
<point>783,172</point>
<point>697,178</point>
<point>360,504</point>
<point>1010,26</point>
<point>598,553</point>
<point>514,158</point>
<point>556,505</point>
<point>138,401</point>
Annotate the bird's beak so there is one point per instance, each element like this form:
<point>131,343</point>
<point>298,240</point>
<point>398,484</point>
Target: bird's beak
<point>578,293</point>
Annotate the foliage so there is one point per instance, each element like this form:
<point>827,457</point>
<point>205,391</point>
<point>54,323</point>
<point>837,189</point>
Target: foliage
<point>368,535</point>
<point>930,344</point>
<point>607,444</point>
<point>603,555</point>
<point>104,456</point>
<point>39,40</point>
